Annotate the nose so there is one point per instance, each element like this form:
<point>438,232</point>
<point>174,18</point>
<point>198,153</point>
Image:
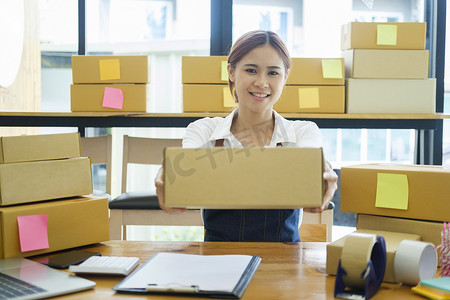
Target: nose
<point>261,81</point>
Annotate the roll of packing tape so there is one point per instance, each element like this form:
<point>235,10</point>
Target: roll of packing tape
<point>414,261</point>
<point>355,256</point>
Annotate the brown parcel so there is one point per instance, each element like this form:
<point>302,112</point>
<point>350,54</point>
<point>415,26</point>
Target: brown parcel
<point>39,147</point>
<point>384,64</point>
<point>207,97</point>
<point>363,35</point>
<point>44,180</point>
<point>390,96</point>
<point>243,177</point>
<point>393,239</point>
<point>133,68</point>
<point>328,99</point>
<point>72,223</point>
<point>427,191</point>
<point>211,69</point>
<point>89,97</point>
<point>308,71</point>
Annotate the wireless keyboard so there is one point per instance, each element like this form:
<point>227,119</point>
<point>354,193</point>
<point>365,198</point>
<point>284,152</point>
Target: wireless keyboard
<point>113,265</point>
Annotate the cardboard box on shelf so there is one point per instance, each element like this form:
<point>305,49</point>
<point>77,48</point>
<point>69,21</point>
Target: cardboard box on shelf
<point>71,222</point>
<point>392,239</point>
<point>207,97</point>
<point>110,69</point>
<point>39,147</point>
<point>316,71</point>
<point>213,69</point>
<point>386,64</point>
<point>44,180</point>
<point>383,35</point>
<point>312,99</point>
<point>240,178</point>
<point>402,96</point>
<point>109,97</point>
<point>403,191</point>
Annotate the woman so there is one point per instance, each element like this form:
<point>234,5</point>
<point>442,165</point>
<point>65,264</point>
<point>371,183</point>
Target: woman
<point>258,66</point>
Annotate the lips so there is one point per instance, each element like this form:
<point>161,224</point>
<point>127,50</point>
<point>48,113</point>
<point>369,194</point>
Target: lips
<point>260,95</point>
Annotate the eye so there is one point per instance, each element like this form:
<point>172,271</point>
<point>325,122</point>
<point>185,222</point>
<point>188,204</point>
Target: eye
<point>273,73</point>
<point>250,70</point>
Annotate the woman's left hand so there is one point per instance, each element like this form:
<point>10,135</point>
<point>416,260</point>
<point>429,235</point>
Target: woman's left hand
<point>330,177</point>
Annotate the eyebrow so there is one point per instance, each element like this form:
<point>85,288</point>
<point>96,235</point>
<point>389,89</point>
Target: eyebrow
<point>256,66</point>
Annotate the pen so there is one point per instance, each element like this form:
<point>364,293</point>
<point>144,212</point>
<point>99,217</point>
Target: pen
<point>172,287</point>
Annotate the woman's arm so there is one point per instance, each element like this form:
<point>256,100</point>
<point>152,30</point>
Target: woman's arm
<point>159,184</point>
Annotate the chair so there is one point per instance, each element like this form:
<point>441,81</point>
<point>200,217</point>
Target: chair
<point>317,227</point>
<point>99,150</point>
<point>142,208</point>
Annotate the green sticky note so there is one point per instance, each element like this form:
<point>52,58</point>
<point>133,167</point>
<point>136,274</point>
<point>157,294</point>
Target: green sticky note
<point>228,100</point>
<point>109,69</point>
<point>392,191</point>
<point>386,34</point>
<point>332,68</point>
<point>224,71</point>
<point>308,98</point>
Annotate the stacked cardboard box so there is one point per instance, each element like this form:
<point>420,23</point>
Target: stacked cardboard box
<point>110,83</point>
<point>387,68</point>
<point>314,85</point>
<point>38,174</point>
<point>205,84</point>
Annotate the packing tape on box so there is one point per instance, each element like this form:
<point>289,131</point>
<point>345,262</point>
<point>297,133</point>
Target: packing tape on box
<point>414,261</point>
<point>355,256</point>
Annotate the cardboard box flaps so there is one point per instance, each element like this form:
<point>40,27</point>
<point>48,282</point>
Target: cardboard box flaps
<point>392,239</point>
<point>243,177</point>
<point>25,148</point>
<point>71,223</point>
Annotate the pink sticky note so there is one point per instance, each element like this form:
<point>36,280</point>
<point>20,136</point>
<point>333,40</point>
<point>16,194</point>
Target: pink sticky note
<point>33,232</point>
<point>113,98</point>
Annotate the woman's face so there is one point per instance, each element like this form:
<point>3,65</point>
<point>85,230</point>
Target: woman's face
<point>259,79</point>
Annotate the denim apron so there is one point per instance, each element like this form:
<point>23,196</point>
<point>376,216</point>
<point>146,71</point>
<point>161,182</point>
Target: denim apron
<point>251,225</point>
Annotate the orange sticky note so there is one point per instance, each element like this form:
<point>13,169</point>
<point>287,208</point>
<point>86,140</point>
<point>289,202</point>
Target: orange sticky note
<point>332,68</point>
<point>33,232</point>
<point>392,191</point>
<point>109,69</point>
<point>228,100</point>
<point>308,98</point>
<point>113,98</point>
<point>224,71</point>
<point>387,34</point>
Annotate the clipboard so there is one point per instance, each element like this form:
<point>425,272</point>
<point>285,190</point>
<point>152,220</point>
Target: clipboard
<point>218,276</point>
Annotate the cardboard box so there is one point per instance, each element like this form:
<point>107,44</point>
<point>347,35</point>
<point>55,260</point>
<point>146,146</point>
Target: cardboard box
<point>393,239</point>
<point>403,191</point>
<point>312,99</point>
<point>39,147</point>
<point>44,180</point>
<point>384,64</point>
<point>204,97</point>
<point>317,71</point>
<point>71,223</point>
<point>385,35</point>
<point>391,96</point>
<point>204,69</point>
<point>110,69</point>
<point>253,178</point>
<point>90,97</point>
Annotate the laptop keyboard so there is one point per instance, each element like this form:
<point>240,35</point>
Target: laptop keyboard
<point>11,287</point>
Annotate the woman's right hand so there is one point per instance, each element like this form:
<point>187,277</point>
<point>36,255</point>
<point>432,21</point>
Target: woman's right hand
<point>159,184</point>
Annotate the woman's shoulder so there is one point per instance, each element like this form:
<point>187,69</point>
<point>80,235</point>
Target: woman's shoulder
<point>207,124</point>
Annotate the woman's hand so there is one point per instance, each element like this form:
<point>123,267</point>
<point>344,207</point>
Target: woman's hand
<point>330,177</point>
<point>159,184</point>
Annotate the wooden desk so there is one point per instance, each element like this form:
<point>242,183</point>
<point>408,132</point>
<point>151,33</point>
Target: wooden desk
<point>287,271</point>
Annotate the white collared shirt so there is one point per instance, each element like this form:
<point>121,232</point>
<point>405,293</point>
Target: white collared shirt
<point>203,133</point>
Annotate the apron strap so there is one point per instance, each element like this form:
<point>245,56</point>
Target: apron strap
<point>219,143</point>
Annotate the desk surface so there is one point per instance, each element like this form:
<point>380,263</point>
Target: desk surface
<point>287,270</point>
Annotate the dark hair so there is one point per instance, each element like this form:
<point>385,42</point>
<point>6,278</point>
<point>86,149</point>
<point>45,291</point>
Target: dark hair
<point>251,40</point>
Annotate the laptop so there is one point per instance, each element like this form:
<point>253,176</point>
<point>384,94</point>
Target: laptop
<point>22,278</point>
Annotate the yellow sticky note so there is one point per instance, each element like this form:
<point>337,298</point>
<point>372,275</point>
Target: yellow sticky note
<point>109,69</point>
<point>386,34</point>
<point>308,98</point>
<point>224,71</point>
<point>228,100</point>
<point>392,191</point>
<point>332,68</point>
